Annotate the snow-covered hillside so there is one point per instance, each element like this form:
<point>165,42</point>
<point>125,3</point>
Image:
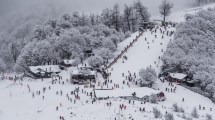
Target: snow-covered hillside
<point>145,52</point>
<point>57,99</point>
<point>140,56</point>
<point>179,16</point>
<point>22,100</point>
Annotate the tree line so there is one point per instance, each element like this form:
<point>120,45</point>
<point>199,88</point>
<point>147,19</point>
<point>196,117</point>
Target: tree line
<point>203,2</point>
<point>20,36</point>
<point>29,32</point>
<point>192,51</point>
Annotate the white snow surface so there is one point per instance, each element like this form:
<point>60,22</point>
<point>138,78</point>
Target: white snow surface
<point>17,103</point>
<point>140,92</point>
<point>68,61</point>
<point>179,76</point>
<point>76,72</point>
<point>179,16</point>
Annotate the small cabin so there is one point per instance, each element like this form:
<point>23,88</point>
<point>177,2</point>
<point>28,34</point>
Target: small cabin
<point>45,71</point>
<point>190,83</point>
<point>157,22</point>
<point>178,77</point>
<point>67,63</point>
<point>88,53</point>
<point>83,76</point>
<point>146,25</point>
<point>86,68</point>
<point>161,96</point>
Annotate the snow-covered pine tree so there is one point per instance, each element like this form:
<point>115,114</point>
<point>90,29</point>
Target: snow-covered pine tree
<point>95,61</point>
<point>194,113</point>
<point>104,53</point>
<point>169,116</point>
<point>157,113</point>
<point>148,76</point>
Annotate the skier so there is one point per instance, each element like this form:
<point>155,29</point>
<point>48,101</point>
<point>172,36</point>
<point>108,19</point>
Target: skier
<point>143,109</point>
<point>91,94</point>
<point>61,92</point>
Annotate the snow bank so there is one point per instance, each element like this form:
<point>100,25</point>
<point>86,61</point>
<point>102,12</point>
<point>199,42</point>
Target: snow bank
<point>140,92</point>
<point>180,15</point>
<point>179,76</point>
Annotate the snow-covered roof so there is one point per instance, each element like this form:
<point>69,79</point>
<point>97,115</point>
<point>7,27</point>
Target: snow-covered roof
<point>76,72</point>
<point>191,81</point>
<point>92,72</point>
<point>68,61</point>
<point>179,76</point>
<point>140,92</point>
<point>48,68</point>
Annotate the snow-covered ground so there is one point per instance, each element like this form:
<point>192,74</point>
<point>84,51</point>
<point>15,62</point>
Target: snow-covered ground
<point>21,100</point>
<point>142,54</point>
<point>179,15</point>
<point>17,102</point>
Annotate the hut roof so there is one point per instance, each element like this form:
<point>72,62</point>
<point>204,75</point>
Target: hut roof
<point>140,92</point>
<point>179,76</point>
<point>45,68</point>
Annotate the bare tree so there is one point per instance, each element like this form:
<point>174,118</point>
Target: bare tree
<point>165,9</point>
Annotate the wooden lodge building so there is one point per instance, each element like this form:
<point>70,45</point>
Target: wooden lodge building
<point>45,71</point>
<point>88,53</point>
<point>180,78</point>
<point>83,76</point>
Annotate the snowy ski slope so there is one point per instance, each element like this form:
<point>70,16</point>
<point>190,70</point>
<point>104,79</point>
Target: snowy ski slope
<point>17,103</point>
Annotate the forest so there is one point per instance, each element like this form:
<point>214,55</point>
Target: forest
<point>34,39</point>
<point>193,49</point>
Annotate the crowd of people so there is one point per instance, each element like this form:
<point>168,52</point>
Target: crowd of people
<point>129,78</point>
